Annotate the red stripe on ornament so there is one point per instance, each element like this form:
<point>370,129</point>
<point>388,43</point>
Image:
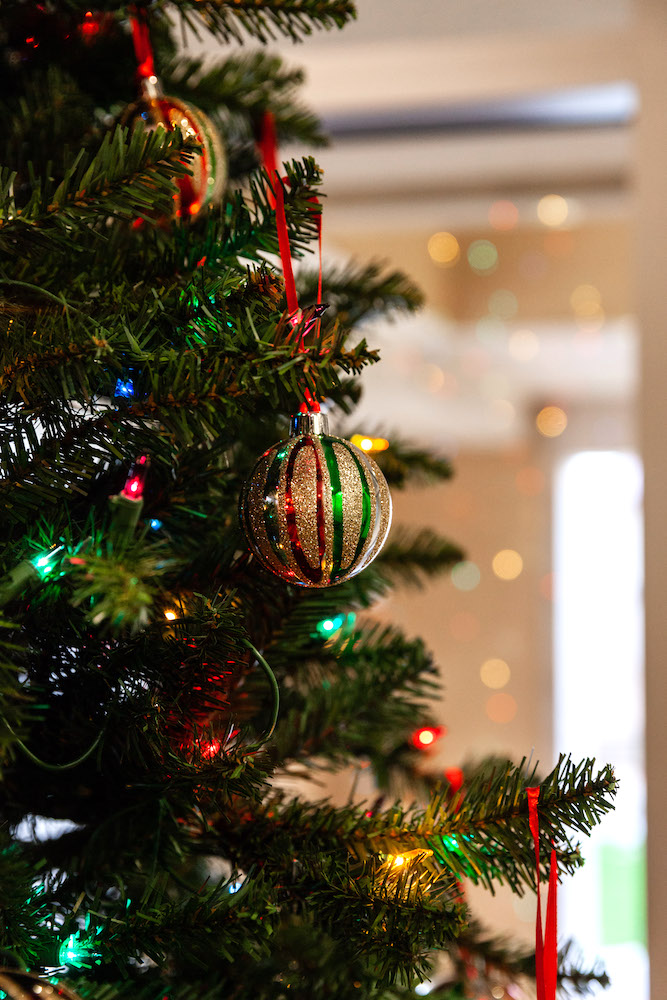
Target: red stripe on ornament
<point>312,573</point>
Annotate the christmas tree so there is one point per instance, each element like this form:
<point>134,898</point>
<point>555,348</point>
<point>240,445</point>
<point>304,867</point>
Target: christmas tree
<point>161,687</point>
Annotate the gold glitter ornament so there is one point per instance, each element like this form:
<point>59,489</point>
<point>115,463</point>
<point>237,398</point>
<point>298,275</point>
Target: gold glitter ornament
<point>19,985</point>
<point>316,510</point>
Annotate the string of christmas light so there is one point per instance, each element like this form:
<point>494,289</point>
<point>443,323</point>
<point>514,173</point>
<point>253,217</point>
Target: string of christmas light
<point>29,573</point>
<point>127,505</point>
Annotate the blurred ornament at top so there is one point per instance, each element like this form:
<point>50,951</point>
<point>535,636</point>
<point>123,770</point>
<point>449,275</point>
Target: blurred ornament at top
<point>206,183</point>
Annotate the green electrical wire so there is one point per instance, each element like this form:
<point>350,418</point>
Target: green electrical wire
<point>274,689</point>
<point>54,767</point>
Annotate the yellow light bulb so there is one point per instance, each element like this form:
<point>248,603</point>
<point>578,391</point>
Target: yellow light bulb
<point>398,861</point>
<point>170,615</point>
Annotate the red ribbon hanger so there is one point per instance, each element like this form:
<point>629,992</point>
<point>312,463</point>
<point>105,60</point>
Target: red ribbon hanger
<point>268,147</point>
<point>143,49</point>
<point>546,947</point>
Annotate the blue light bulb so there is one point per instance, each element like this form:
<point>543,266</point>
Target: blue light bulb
<point>124,388</point>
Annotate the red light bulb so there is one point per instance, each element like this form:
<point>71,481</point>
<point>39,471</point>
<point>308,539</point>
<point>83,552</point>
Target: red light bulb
<point>136,480</point>
<point>424,738</point>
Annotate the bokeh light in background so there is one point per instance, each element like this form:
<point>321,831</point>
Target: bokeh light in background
<point>503,303</point>
<point>368,444</point>
<point>495,673</point>
<point>425,737</point>
<point>444,249</point>
<point>507,564</point>
<point>586,300</point>
<point>435,378</point>
<point>483,256</point>
<point>552,210</point>
<point>503,215</point>
<point>466,575</point>
<point>504,412</point>
<point>501,707</point>
<point>440,381</point>
<point>523,345</point>
<point>551,421</point>
<point>490,330</point>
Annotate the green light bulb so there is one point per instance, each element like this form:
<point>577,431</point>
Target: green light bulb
<point>44,562</point>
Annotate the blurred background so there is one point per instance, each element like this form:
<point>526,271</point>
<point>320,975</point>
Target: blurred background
<point>509,157</point>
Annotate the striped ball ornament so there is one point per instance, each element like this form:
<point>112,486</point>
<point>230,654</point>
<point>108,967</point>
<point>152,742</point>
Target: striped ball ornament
<point>316,510</point>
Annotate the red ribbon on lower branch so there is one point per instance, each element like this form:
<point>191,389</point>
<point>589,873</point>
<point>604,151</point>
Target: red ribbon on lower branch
<point>546,947</point>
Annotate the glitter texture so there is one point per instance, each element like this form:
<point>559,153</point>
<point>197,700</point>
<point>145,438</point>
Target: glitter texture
<point>316,510</point>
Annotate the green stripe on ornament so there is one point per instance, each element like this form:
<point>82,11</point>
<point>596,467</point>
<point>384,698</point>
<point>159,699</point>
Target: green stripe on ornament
<point>271,521</point>
<point>336,506</point>
<point>366,509</point>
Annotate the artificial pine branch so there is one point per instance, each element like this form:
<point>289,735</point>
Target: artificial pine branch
<point>235,20</point>
<point>18,373</point>
<point>327,711</point>
<point>242,88</point>
<point>17,706</point>
<point>402,463</point>
<point>358,292</point>
<point>482,834</point>
<point>52,111</point>
<point>410,556</point>
<point>23,909</point>
<point>394,930</point>
<point>187,400</point>
<point>131,175</point>
<point>496,958</point>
